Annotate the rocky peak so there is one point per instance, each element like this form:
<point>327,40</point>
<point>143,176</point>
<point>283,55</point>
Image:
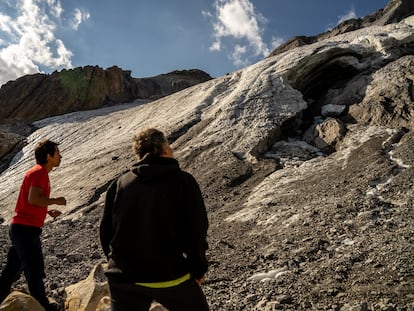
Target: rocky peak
<point>395,11</point>
<point>37,96</point>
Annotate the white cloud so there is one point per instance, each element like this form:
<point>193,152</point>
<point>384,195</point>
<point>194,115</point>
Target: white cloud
<point>276,41</point>
<point>28,40</point>
<point>55,8</point>
<point>79,17</point>
<point>5,23</point>
<point>351,14</point>
<point>239,21</point>
<point>216,46</point>
<point>238,56</point>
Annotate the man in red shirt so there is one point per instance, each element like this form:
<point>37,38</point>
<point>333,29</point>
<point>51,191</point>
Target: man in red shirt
<point>25,254</point>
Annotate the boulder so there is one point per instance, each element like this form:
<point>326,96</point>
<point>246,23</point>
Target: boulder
<point>87,294</point>
<point>331,110</point>
<point>292,152</point>
<point>92,294</point>
<point>326,135</point>
<point>18,301</point>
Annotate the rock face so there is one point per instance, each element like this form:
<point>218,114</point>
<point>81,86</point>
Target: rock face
<point>305,161</point>
<point>395,11</point>
<point>390,96</point>
<point>13,134</point>
<point>34,97</point>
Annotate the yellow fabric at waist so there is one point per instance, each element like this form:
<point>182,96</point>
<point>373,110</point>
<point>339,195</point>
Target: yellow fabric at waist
<point>166,284</point>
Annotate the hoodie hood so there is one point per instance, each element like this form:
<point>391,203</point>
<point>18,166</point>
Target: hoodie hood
<point>150,167</point>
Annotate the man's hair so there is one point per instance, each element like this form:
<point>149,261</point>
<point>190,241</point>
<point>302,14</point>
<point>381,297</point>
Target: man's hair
<point>149,141</point>
<point>44,148</point>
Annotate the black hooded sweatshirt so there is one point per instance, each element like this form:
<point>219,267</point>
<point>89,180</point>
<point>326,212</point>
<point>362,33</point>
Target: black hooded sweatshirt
<point>154,225</point>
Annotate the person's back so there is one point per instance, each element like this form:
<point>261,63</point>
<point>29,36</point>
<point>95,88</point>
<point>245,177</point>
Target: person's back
<point>153,231</point>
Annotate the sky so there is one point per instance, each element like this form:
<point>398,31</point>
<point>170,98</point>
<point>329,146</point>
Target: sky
<point>153,37</point>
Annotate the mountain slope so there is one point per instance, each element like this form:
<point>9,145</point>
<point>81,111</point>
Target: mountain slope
<point>305,161</point>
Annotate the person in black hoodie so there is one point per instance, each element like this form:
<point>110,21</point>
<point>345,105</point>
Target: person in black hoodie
<point>153,232</point>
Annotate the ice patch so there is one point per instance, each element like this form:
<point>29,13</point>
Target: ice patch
<point>271,275</point>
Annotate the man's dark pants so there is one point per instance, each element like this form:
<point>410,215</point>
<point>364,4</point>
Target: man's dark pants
<point>187,296</point>
<point>25,255</point>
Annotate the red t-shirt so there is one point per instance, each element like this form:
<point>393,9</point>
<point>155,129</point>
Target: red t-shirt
<point>25,213</point>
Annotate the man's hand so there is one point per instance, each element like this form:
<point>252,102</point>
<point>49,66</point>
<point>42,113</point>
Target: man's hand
<point>200,280</point>
<point>59,201</point>
<point>54,213</point>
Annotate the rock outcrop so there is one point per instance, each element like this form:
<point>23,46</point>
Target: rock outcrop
<point>395,11</point>
<point>34,97</point>
<point>38,96</point>
<point>305,161</point>
<point>13,134</point>
<point>389,96</point>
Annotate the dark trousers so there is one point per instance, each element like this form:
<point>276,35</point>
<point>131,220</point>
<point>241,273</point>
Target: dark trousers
<point>187,296</point>
<point>25,255</point>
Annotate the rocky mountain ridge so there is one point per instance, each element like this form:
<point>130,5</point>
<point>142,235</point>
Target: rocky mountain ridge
<point>305,161</point>
<point>394,11</point>
<point>38,96</point>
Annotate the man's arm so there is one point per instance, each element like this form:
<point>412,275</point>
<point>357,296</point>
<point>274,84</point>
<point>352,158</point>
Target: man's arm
<point>105,227</point>
<point>37,198</point>
<point>196,224</point>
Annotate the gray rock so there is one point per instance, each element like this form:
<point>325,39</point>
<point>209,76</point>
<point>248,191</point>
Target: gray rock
<point>331,110</point>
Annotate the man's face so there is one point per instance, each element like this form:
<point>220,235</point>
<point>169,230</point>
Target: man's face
<point>55,160</point>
